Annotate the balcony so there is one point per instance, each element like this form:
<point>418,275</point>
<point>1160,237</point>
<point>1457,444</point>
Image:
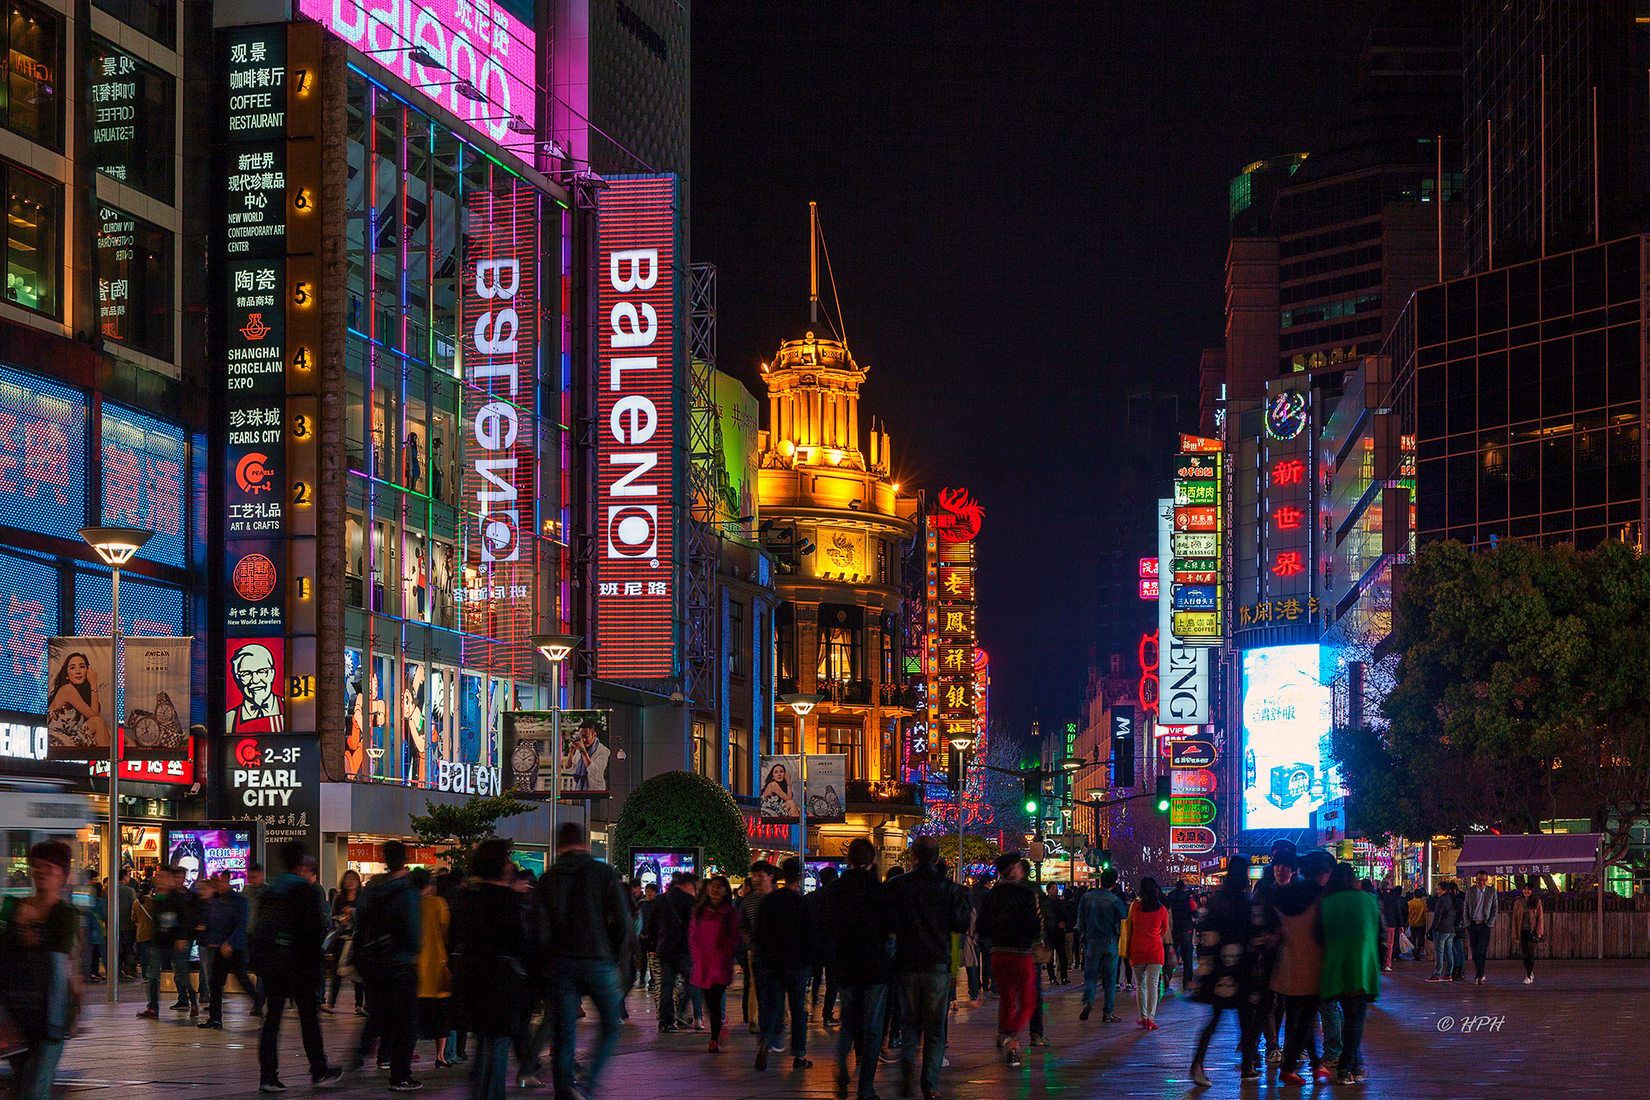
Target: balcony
<point>847,693</point>
<point>903,696</point>
<point>884,796</point>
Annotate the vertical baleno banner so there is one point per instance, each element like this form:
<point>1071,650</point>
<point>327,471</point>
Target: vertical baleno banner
<point>636,425</point>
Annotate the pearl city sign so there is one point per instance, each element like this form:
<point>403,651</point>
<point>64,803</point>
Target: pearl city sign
<point>637,427</point>
<point>470,56</point>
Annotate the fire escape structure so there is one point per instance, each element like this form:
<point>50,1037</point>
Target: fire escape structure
<point>707,481</point>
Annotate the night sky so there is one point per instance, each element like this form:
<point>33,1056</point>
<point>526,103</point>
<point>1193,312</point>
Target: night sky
<point>1025,205</point>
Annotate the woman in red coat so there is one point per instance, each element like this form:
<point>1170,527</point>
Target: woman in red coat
<point>1148,928</point>
<point>713,940</point>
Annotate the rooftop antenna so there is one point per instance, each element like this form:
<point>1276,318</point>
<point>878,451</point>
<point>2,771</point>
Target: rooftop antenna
<point>813,263</point>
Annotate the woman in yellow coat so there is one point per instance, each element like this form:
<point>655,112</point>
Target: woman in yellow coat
<point>1126,979</point>
<point>435,985</point>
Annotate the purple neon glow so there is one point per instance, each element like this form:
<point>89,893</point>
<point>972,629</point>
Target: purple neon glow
<point>476,41</point>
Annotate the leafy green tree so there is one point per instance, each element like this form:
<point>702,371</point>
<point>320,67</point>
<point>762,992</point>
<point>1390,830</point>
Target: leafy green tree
<point>455,830</point>
<point>682,810</point>
<point>1522,693</point>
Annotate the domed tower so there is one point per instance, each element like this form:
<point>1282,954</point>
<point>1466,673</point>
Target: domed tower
<point>836,521</point>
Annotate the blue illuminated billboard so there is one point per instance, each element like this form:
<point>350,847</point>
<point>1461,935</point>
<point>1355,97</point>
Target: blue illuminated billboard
<point>145,471</point>
<point>1288,771</point>
<point>42,455</point>
<point>28,616</point>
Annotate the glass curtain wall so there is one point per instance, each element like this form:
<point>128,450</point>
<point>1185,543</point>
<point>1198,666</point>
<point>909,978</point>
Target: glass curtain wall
<point>420,691</point>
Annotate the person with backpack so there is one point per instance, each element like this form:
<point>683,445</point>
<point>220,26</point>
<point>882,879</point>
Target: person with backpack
<point>388,939</point>
<point>588,929</point>
<point>285,950</point>
<point>490,942</point>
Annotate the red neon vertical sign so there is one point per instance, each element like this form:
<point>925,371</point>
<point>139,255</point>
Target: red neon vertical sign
<point>636,428</point>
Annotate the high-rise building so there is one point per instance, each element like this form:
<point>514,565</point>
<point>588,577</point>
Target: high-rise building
<point>1556,132</point>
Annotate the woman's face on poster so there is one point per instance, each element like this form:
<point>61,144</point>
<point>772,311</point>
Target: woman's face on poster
<point>191,868</point>
<point>76,669</point>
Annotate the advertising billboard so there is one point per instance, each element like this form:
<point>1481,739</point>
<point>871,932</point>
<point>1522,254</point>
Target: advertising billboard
<point>654,866</point>
<point>1287,770</point>
<point>203,851</point>
<point>636,428</point>
<point>476,59</point>
<point>80,698</point>
<point>1183,696</point>
<point>827,788</point>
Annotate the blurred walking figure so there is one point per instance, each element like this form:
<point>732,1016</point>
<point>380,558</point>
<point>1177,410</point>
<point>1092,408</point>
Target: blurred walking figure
<point>1227,973</point>
<point>1351,963</point>
<point>225,943</point>
<point>39,938</point>
<point>928,909</point>
<point>434,971</point>
<point>785,950</point>
<point>285,950</point>
<point>1009,917</point>
<point>387,942</point>
<point>1298,971</point>
<point>489,950</point>
<point>856,922</point>
<point>587,922</point>
<point>713,941</point>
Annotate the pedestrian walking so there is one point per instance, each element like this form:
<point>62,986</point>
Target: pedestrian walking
<point>825,970</point>
<point>928,909</point>
<point>669,933</point>
<point>784,947</point>
<point>588,930</point>
<point>1182,920</point>
<point>1445,926</point>
<point>1351,963</point>
<point>387,942</point>
<point>127,895</point>
<point>1009,918</point>
<point>971,955</point>
<point>1529,921</point>
<point>1100,917</point>
<point>488,957</point>
<point>1125,971</point>
<point>713,943</point>
<point>225,942</point>
<point>856,922</point>
<point>1417,907</point>
<point>1394,923</point>
<point>434,971</point>
<point>39,944</point>
<point>1297,972</point>
<point>758,885</point>
<point>285,949</point>
<point>1228,975</point>
<point>340,940</point>
<point>143,934</point>
<point>1481,904</point>
<point>1059,966</point>
<point>1149,934</point>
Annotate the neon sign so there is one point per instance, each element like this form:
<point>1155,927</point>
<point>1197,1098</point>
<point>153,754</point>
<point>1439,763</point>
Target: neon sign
<point>960,520</point>
<point>479,49</point>
<point>499,334</point>
<point>636,427</point>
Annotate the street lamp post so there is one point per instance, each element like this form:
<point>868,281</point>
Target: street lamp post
<point>801,702</point>
<point>555,648</point>
<point>961,744</point>
<point>116,546</point>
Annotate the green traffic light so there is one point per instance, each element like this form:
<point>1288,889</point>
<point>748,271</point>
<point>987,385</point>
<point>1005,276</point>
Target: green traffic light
<point>1031,805</point>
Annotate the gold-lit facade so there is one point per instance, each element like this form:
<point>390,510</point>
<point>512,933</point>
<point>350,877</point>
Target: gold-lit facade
<point>837,523</point>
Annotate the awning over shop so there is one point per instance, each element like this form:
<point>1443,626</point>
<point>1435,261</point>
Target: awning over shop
<point>1529,854</point>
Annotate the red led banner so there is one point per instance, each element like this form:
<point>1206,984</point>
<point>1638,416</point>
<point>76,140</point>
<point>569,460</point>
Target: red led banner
<point>499,336</point>
<point>636,428</point>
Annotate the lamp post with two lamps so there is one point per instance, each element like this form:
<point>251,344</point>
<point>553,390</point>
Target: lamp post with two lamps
<point>555,648</point>
<point>116,546</point>
<point>801,702</point>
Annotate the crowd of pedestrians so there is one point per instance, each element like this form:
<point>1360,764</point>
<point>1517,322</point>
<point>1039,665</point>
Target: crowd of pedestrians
<point>465,958</point>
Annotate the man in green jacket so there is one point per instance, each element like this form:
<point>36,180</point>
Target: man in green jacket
<point>1351,962</point>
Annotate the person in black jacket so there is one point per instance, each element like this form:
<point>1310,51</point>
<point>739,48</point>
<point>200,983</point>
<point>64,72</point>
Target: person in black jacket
<point>671,915</point>
<point>589,929</point>
<point>928,910</point>
<point>825,970</point>
<point>490,944</point>
<point>388,937</point>
<point>286,952</point>
<point>783,944</point>
<point>1009,918</point>
<point>855,926</point>
<point>1182,922</point>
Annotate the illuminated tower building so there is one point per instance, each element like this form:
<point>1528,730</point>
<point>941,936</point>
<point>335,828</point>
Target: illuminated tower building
<point>835,520</point>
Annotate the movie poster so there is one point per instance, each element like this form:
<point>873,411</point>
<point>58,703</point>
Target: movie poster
<point>80,698</point>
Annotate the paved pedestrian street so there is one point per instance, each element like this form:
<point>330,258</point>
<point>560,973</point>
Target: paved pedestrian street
<point>1578,1031</point>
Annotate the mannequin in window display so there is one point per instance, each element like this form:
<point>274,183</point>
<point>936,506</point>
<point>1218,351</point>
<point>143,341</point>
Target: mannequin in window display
<point>414,741</point>
<point>412,466</point>
<point>438,479</point>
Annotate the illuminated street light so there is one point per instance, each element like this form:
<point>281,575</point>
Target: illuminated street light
<point>555,648</point>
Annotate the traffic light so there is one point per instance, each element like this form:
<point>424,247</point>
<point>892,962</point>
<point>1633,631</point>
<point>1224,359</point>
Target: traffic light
<point>1162,794</point>
<point>1032,785</point>
<point>1105,859</point>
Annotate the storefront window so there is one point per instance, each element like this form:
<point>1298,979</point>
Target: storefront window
<point>155,18</point>
<point>29,101</point>
<point>131,114</point>
<point>134,282</point>
<point>34,216</point>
